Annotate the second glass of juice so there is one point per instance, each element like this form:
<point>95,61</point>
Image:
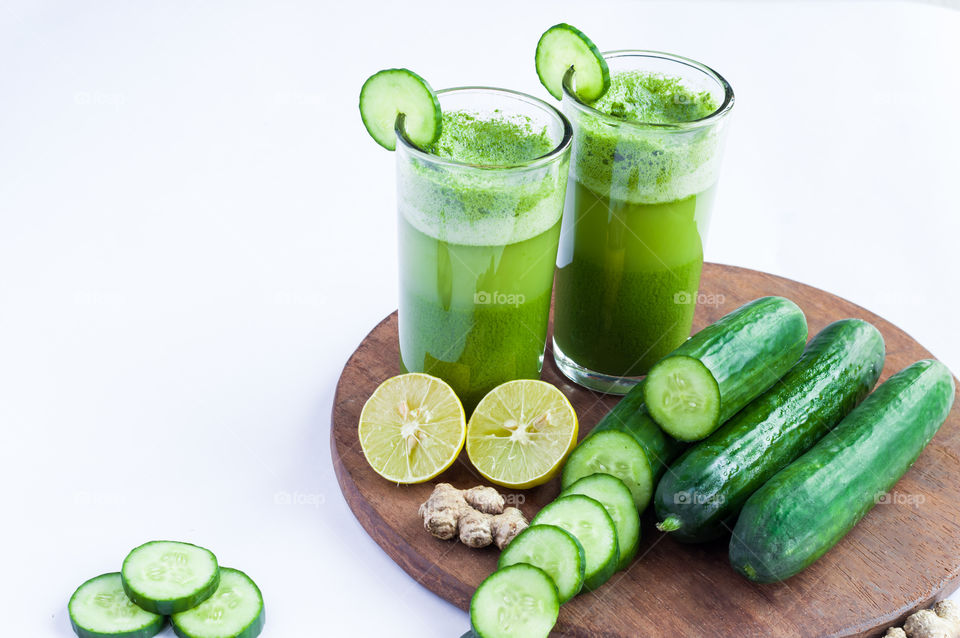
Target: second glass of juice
<point>479,221</point>
<point>645,161</point>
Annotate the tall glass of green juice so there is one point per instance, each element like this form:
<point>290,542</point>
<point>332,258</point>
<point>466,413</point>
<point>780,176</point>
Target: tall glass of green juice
<point>643,175</point>
<point>479,221</point>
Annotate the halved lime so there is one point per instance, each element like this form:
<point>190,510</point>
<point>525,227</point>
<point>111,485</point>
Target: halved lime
<point>412,428</point>
<point>390,93</point>
<point>521,433</point>
<point>562,46</point>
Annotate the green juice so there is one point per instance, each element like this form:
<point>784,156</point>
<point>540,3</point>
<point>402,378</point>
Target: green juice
<point>477,249</point>
<point>632,277</point>
<point>637,209</point>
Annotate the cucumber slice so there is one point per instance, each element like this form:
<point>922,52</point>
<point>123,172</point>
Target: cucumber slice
<point>519,601</point>
<point>563,46</point>
<point>552,549</point>
<point>615,497</point>
<point>618,454</point>
<point>590,524</point>
<point>687,397</point>
<point>166,577</point>
<point>235,610</point>
<point>389,94</point>
<point>100,608</point>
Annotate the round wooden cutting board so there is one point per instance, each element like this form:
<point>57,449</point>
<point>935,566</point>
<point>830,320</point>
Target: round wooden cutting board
<point>903,556</point>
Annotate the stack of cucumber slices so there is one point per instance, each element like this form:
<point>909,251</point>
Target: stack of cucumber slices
<point>577,542</point>
<point>168,578</point>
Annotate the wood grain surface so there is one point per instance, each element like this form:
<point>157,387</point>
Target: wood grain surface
<point>903,556</point>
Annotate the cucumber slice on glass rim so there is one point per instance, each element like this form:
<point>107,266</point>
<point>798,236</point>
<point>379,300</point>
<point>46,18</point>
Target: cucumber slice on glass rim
<point>392,93</point>
<point>563,46</point>
<point>101,608</point>
<point>166,577</point>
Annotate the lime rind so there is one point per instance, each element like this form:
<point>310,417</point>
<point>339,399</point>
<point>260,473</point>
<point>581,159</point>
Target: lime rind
<point>563,46</point>
<point>394,98</point>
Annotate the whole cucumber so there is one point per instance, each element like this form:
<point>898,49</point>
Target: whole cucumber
<point>708,485</point>
<point>806,508</point>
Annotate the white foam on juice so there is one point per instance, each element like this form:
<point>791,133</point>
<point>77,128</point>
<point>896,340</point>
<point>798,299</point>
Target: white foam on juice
<point>481,205</point>
<point>629,161</point>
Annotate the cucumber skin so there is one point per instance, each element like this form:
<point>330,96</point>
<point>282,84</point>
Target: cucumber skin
<point>805,509</point>
<point>631,417</point>
<point>748,349</point>
<point>838,369</point>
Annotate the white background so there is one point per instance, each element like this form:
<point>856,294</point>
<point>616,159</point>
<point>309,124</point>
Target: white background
<point>196,231</point>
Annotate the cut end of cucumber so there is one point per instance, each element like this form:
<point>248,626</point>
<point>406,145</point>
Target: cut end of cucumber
<point>563,46</point>
<point>395,98</point>
<point>669,524</point>
<point>683,397</point>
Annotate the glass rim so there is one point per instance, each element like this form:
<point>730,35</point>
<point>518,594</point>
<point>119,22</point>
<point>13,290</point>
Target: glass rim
<point>719,113</point>
<point>536,162</point>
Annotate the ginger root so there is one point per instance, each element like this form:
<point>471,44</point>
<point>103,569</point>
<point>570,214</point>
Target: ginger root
<point>478,515</point>
<point>943,621</point>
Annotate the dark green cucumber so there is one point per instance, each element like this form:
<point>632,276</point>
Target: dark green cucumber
<point>638,463</point>
<point>806,508</point>
<point>692,391</point>
<point>708,485</point>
